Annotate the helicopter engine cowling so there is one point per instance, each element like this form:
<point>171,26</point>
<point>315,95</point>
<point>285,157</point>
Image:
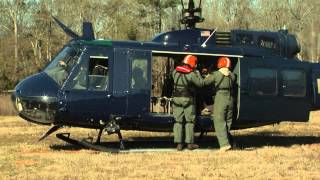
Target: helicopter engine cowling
<point>288,43</point>
<point>184,37</point>
<point>293,46</point>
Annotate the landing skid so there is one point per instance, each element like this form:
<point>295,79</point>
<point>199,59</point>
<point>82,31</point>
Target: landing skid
<point>84,143</point>
<point>161,145</point>
<point>96,147</point>
<point>66,137</point>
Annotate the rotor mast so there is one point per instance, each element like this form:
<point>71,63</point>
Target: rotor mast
<point>191,15</point>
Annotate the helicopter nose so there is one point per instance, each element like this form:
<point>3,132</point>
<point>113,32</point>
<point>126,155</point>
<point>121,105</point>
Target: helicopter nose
<point>35,99</point>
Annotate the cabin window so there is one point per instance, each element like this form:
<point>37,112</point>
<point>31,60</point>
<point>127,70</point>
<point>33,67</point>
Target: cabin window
<point>61,66</point>
<point>139,70</point>
<point>98,73</point>
<point>263,82</point>
<point>245,39</point>
<point>79,82</point>
<point>318,85</point>
<point>267,42</point>
<point>293,83</point>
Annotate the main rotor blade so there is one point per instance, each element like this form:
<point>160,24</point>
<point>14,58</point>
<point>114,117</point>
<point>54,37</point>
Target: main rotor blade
<point>67,30</point>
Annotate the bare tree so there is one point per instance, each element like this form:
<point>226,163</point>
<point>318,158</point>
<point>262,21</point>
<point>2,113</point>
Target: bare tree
<point>29,37</point>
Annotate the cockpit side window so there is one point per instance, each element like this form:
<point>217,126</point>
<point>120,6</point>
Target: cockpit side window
<point>79,82</point>
<point>98,73</point>
<point>61,66</point>
<point>91,72</point>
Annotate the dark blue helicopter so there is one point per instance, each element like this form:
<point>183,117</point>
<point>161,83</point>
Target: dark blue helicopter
<point>109,85</point>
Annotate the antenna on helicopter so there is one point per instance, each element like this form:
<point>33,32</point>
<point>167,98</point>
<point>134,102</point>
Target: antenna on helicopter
<point>204,44</point>
<point>192,15</point>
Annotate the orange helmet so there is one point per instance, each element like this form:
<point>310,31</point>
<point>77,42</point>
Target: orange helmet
<point>190,60</point>
<point>224,62</point>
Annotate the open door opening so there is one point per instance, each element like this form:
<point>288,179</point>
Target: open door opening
<point>205,95</point>
<point>162,83</point>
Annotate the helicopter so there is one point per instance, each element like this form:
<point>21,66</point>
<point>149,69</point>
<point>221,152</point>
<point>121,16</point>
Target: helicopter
<point>111,86</point>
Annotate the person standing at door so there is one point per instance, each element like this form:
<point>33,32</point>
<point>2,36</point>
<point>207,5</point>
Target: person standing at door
<point>224,81</point>
<point>138,81</point>
<point>186,80</point>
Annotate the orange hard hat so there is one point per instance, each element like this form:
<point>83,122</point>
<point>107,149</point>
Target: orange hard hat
<point>224,62</point>
<point>190,60</point>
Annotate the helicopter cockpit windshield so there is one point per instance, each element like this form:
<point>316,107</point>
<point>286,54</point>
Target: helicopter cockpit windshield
<point>62,64</point>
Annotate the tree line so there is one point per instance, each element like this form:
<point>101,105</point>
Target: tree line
<point>29,38</point>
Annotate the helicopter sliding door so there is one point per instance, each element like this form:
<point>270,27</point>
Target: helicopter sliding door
<point>273,90</point>
<point>132,81</point>
<point>139,82</point>
<point>316,87</point>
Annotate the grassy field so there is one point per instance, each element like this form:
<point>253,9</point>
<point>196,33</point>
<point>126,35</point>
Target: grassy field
<point>6,106</point>
<point>285,151</point>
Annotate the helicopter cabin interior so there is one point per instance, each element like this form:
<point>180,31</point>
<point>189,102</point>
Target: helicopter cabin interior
<point>163,65</point>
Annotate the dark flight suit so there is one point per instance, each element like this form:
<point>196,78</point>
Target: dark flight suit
<point>223,105</point>
<point>185,85</point>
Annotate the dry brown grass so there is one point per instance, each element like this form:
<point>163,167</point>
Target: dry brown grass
<point>285,151</point>
<point>6,107</point>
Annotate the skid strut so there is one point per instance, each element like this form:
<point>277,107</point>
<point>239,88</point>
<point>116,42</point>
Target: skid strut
<point>113,128</point>
<point>99,136</point>
<point>122,147</point>
<point>52,130</point>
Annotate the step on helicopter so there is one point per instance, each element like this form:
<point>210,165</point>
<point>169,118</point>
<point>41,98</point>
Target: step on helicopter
<point>110,85</point>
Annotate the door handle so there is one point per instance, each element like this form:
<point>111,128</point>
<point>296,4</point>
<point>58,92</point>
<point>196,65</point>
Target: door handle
<point>244,91</point>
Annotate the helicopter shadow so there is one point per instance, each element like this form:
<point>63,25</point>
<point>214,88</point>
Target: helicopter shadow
<point>243,142</point>
<point>66,147</point>
<point>262,139</point>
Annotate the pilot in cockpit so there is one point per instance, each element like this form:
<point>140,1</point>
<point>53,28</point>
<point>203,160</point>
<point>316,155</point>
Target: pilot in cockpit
<point>59,73</point>
<point>98,78</point>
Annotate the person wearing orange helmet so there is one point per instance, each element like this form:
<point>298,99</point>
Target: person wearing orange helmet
<point>224,82</point>
<point>186,80</point>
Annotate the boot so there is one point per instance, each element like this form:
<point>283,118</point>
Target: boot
<point>179,147</point>
<point>192,146</point>
<point>225,148</point>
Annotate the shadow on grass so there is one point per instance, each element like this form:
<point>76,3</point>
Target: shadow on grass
<point>66,147</point>
<point>257,141</point>
<point>207,142</point>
